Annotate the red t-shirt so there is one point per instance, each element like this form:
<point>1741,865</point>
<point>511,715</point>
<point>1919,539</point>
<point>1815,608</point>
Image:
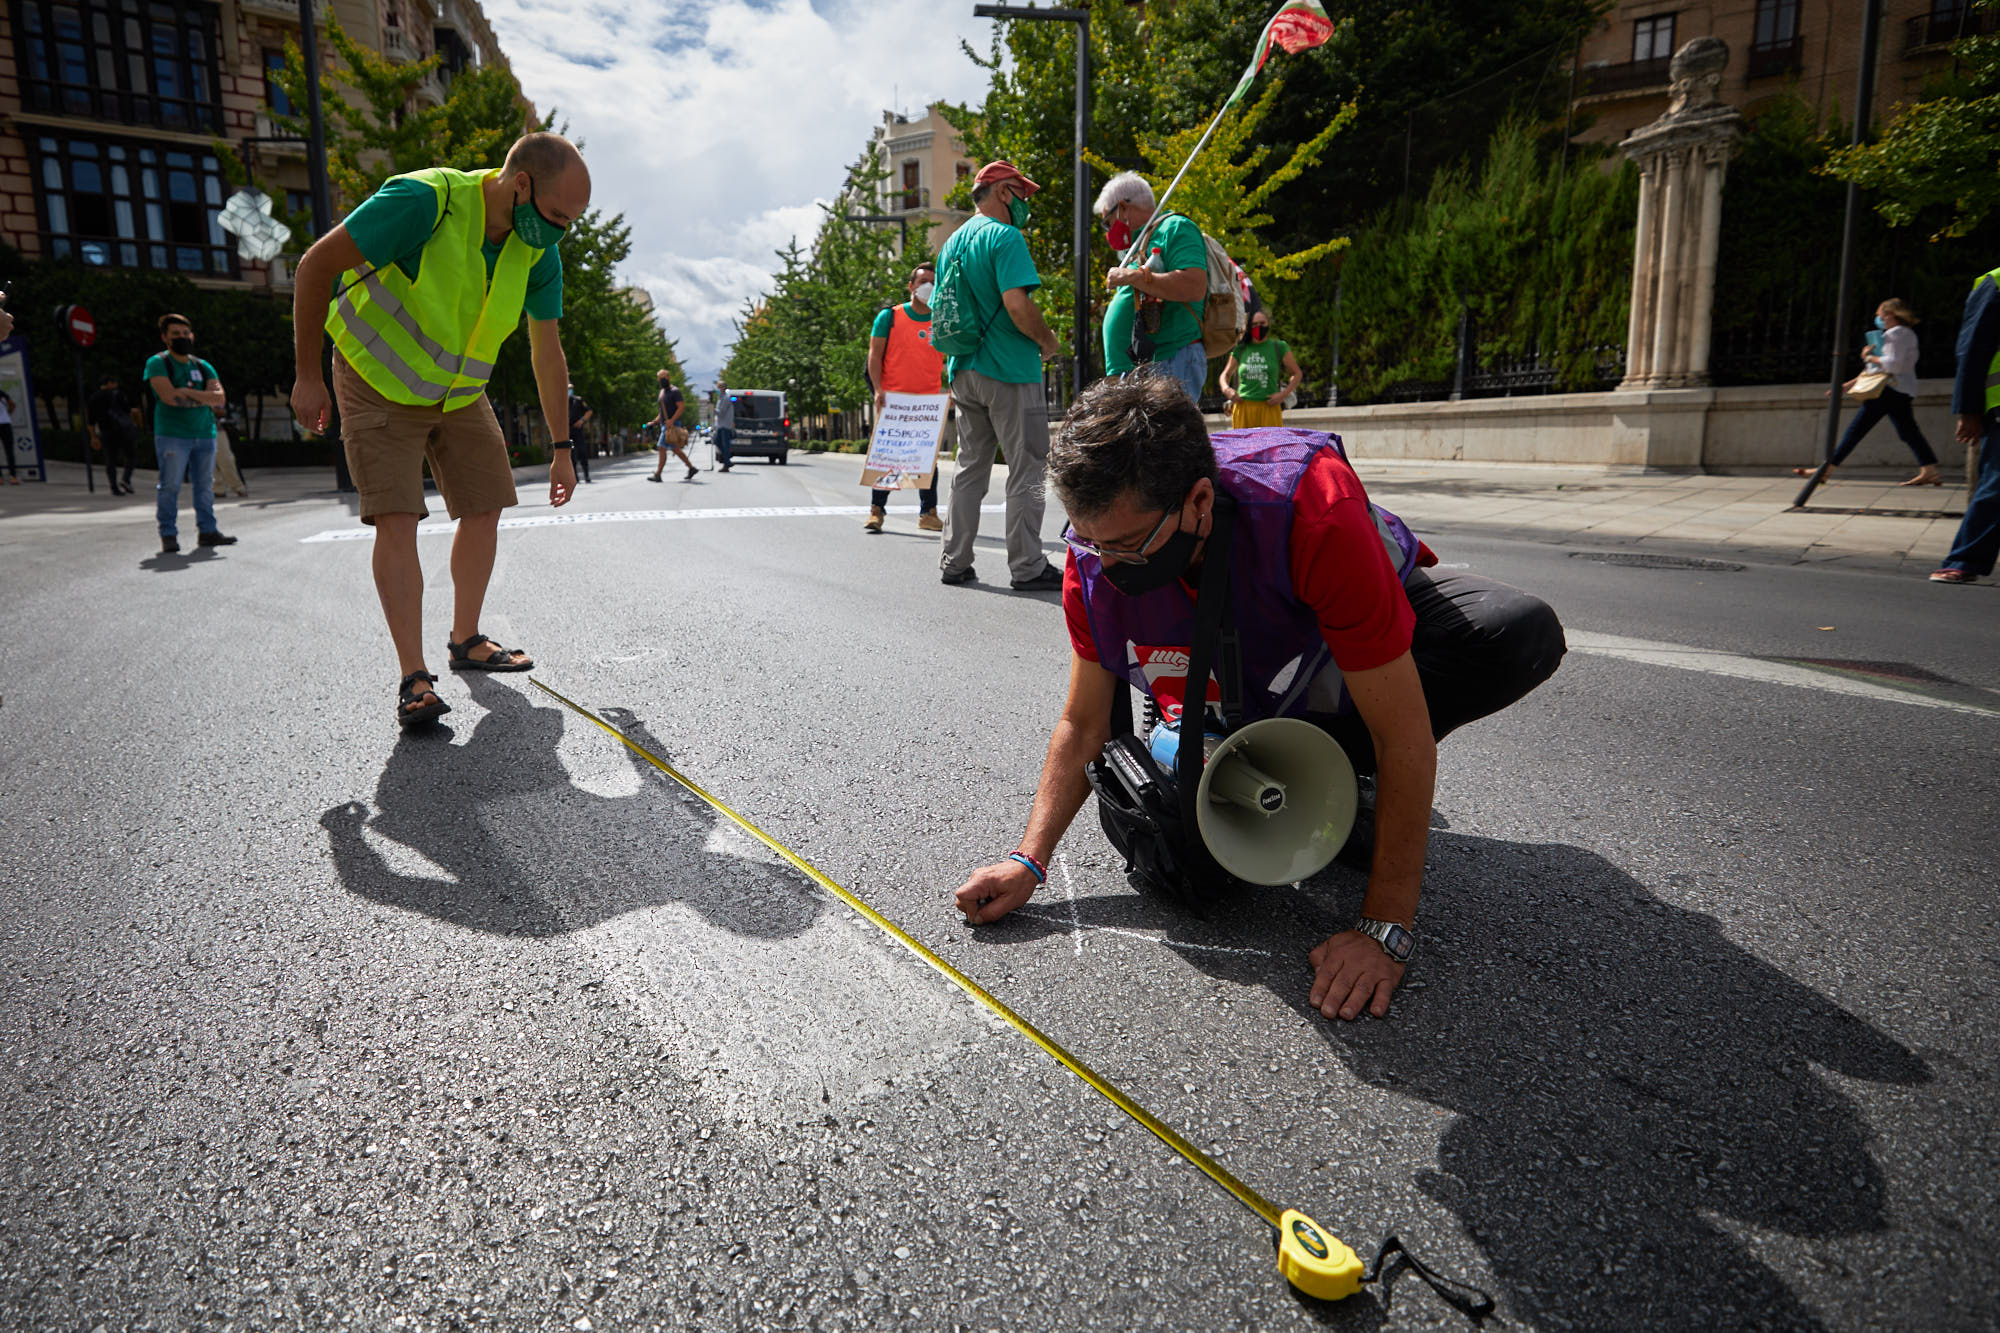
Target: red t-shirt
<point>1339,568</point>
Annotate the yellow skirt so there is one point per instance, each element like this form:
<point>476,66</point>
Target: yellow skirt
<point>1244,414</point>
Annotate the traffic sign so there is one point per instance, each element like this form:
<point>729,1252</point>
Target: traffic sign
<point>78,324</point>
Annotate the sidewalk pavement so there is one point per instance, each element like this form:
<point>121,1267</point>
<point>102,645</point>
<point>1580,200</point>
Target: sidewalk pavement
<point>1856,522</point>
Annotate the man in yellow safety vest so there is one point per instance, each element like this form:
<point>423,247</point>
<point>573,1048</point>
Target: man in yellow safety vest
<point>426,279</point>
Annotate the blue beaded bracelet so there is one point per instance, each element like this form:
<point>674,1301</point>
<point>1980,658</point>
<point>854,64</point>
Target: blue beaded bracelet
<point>1041,875</point>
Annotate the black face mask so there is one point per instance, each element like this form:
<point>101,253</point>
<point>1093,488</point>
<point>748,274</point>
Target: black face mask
<point>1161,568</point>
<point>181,346</point>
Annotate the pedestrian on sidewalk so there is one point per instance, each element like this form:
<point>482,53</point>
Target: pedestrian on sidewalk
<point>187,393</point>
<point>902,360</point>
<point>580,416</point>
<point>227,478</point>
<point>1975,401</point>
<point>998,387</point>
<point>410,370</point>
<point>7,436</point>
<point>114,431</point>
<point>1155,311</point>
<point>1345,621</point>
<point>1897,401</point>
<point>673,435</point>
<point>724,433</point>
<point>1259,375</point>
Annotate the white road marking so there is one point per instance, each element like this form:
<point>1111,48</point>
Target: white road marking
<point>627,516</point>
<point>1716,663</point>
<point>1185,945</point>
<point>1075,922</point>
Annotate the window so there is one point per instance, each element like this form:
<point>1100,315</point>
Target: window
<point>127,205</point>
<point>913,195</point>
<point>274,91</point>
<point>1653,38</point>
<point>1777,23</point>
<point>964,170</point>
<point>144,62</point>
<point>299,203</point>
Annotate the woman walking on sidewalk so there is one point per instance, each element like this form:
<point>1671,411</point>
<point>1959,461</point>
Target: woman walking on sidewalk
<point>1898,360</point>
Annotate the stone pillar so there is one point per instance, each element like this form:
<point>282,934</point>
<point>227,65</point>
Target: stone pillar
<point>1682,159</point>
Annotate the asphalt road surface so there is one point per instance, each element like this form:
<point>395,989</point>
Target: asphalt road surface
<point>306,1024</point>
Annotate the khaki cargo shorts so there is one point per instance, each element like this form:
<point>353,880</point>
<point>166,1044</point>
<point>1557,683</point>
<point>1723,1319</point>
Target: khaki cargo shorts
<point>387,444</point>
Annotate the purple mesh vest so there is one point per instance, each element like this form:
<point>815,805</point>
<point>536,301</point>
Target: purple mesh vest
<point>1145,639</point>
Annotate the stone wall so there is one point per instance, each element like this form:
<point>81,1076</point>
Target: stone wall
<point>1765,426</point>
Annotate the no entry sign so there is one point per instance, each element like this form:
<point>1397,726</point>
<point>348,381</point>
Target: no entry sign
<point>80,325</point>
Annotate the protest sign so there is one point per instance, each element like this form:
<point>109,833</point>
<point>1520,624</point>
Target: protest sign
<point>902,453</point>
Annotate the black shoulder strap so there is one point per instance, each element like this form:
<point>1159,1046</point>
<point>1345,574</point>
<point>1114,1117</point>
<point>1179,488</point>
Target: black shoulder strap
<point>1214,638</point>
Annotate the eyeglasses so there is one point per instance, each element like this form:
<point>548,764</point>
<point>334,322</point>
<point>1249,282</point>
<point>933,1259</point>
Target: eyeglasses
<point>1138,557</point>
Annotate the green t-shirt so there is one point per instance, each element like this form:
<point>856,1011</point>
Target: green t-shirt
<point>393,225</point>
<point>1181,246</point>
<point>885,323</point>
<point>1260,368</point>
<point>181,423</point>
<point>993,257</point>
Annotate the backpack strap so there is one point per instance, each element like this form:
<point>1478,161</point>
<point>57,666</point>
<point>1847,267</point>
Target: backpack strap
<point>1215,643</point>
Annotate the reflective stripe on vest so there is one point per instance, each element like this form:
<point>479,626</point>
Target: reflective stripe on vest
<point>397,334</point>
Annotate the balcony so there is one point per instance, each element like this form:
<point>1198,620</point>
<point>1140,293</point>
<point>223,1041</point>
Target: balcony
<point>1632,76</point>
<point>268,128</point>
<point>1770,59</point>
<point>909,201</point>
<point>287,10</point>
<point>1935,31</point>
<point>431,92</point>
<point>400,47</point>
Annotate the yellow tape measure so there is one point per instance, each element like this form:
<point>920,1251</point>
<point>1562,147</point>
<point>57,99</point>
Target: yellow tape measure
<point>1311,1258</point>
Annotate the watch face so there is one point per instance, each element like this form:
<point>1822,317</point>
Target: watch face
<point>1398,942</point>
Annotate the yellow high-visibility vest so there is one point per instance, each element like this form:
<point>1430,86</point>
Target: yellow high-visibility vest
<point>1993,370</point>
<point>432,342</point>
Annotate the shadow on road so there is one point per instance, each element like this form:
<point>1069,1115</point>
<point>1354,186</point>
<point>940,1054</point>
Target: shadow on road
<point>164,562</point>
<point>1622,1075</point>
<point>525,852</point>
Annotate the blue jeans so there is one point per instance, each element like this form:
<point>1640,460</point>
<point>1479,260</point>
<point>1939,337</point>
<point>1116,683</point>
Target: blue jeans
<point>177,456</point>
<point>724,437</point>
<point>1977,545</point>
<point>1190,367</point>
<point>1900,408</point>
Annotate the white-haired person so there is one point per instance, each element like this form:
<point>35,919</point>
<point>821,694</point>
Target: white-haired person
<point>1155,313</point>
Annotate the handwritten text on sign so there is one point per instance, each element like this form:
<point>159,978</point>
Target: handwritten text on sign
<point>903,450</point>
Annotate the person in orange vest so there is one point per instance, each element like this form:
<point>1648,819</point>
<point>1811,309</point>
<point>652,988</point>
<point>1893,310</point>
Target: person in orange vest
<point>901,360</point>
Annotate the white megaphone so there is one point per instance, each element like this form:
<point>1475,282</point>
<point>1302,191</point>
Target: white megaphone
<point>1277,798</point>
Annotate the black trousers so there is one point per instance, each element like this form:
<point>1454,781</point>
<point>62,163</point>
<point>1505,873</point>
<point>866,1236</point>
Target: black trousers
<point>7,442</point>
<point>1479,646</point>
<point>118,454</point>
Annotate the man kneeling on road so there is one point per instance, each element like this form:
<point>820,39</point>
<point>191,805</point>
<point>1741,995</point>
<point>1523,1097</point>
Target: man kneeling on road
<point>1317,572</point>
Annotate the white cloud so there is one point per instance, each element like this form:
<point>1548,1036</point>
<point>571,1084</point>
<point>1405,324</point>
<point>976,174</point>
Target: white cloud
<point>716,126</point>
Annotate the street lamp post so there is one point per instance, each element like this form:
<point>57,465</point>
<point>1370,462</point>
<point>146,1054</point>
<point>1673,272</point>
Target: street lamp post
<point>902,224</point>
<point>1080,237</point>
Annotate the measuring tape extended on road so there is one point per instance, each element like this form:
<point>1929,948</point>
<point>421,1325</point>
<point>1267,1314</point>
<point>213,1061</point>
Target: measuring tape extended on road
<point>1310,1257</point>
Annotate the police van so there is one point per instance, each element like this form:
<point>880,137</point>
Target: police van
<point>762,428</point>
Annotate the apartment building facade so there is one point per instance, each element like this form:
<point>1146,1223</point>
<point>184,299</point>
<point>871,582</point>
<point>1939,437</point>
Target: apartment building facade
<point>110,109</point>
<point>925,158</point>
<point>1776,47</point>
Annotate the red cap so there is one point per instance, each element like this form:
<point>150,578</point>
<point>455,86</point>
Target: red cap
<point>1004,171</point>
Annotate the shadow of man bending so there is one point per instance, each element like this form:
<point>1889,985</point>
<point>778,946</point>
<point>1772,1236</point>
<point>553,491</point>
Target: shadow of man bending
<point>1621,1073</point>
<point>525,852</point>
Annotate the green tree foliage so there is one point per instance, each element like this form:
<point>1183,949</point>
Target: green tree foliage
<point>1539,256</point>
<point>1940,155</point>
<point>246,335</point>
<point>809,336</point>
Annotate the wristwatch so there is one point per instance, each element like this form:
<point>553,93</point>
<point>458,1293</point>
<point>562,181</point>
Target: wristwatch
<point>1399,942</point>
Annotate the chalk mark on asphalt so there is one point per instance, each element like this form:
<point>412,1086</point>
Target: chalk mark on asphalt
<point>1185,945</point>
<point>1075,922</point>
<point>627,516</point>
<point>1762,670</point>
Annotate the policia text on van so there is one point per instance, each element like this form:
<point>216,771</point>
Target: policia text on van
<point>426,279</point>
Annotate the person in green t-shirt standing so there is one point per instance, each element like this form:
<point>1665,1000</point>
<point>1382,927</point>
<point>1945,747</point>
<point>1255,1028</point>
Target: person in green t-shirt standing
<point>186,394</point>
<point>1259,375</point>
<point>998,389</point>
<point>1155,311</point>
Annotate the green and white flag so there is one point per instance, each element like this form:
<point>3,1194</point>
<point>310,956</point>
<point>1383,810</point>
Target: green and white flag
<point>1299,26</point>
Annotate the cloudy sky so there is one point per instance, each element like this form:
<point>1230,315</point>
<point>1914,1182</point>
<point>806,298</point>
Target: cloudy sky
<point>716,126</point>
